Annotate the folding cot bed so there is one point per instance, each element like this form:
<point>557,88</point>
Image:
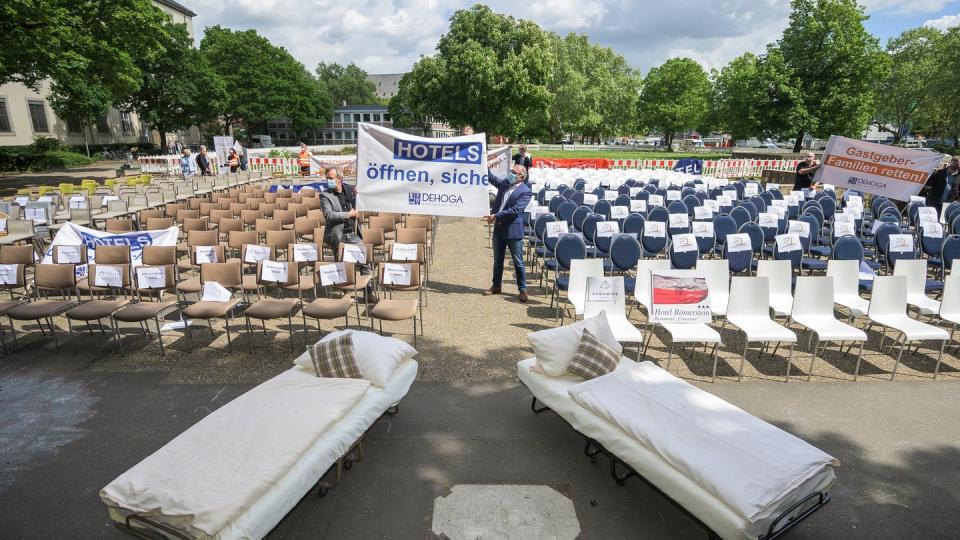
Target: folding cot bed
<point>736,475</point>
<point>240,470</point>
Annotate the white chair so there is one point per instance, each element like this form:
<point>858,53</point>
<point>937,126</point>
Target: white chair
<point>846,287</point>
<point>580,270</point>
<point>950,303</point>
<point>749,311</point>
<point>718,283</point>
<point>813,308</point>
<point>915,270</point>
<point>781,283</point>
<point>614,304</point>
<point>888,308</point>
<point>641,290</point>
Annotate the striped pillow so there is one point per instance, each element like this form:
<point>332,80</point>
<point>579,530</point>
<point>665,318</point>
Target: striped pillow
<point>593,358</point>
<point>334,358</point>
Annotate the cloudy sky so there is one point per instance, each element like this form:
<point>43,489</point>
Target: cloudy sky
<point>387,36</point>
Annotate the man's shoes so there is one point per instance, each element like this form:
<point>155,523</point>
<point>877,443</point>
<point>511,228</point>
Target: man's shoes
<point>523,296</point>
<point>491,291</point>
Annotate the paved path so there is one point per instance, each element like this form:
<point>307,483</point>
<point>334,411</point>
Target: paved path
<point>71,423</point>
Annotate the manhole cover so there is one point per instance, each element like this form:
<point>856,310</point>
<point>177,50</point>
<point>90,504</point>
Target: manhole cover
<point>472,512</point>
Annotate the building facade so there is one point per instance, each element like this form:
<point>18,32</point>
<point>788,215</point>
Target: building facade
<point>25,113</point>
<point>342,127</point>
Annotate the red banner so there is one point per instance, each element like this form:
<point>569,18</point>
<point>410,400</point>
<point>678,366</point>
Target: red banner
<point>571,163</point>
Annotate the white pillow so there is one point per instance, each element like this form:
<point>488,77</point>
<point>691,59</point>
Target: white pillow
<point>376,355</point>
<point>554,348</point>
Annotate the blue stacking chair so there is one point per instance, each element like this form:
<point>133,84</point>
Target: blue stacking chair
<point>949,251</point>
<point>653,246</point>
<point>723,225</point>
<point>684,260</point>
<point>579,215</point>
<point>953,210</point>
<point>738,261</point>
<point>555,203</point>
<point>577,198</point>
<point>540,230</point>
<point>882,237</point>
<point>625,251</point>
<point>566,210</point>
<point>633,224</point>
<point>603,208</point>
<point>741,215</point>
<point>580,185</point>
<point>795,257</point>
<point>624,189</point>
<point>569,247</point>
<point>623,199</point>
<point>706,244</point>
<point>590,231</point>
<point>750,208</point>
<point>931,247</point>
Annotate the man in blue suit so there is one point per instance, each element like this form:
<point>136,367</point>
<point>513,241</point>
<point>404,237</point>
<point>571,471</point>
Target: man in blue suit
<point>507,218</point>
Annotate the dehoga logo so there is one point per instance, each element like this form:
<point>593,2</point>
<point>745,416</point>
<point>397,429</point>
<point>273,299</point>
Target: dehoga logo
<point>435,199</point>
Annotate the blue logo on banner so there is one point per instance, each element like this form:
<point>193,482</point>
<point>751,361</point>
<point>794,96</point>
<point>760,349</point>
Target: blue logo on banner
<point>413,198</point>
<point>465,153</point>
<point>689,165</point>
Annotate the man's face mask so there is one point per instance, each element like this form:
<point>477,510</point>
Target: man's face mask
<point>331,183</point>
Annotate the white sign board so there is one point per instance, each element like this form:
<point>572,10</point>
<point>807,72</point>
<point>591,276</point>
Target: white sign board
<point>679,296</point>
<point>332,274</point>
<point>397,172</point>
<point>892,171</point>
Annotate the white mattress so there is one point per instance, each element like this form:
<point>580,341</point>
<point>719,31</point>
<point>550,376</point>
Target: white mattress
<point>553,392</point>
<point>260,517</point>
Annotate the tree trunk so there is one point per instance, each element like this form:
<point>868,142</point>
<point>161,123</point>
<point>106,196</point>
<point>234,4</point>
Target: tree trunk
<point>799,143</point>
<point>86,142</point>
<point>163,138</point>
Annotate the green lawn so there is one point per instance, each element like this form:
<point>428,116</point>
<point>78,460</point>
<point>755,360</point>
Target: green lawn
<point>625,154</point>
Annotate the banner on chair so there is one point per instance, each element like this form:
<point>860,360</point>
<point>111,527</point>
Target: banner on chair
<point>897,173</point>
<point>679,296</point>
<point>397,172</point>
<point>75,235</point>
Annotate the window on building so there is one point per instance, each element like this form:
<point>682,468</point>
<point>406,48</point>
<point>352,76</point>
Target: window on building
<point>366,117</point>
<point>386,117</point>
<point>4,117</point>
<point>329,135</point>
<point>38,116</point>
<point>356,117</point>
<point>376,117</point>
<point>126,125</point>
<point>103,127</point>
<point>74,125</point>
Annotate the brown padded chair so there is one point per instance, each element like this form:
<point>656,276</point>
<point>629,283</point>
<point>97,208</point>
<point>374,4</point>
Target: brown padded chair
<point>150,303</point>
<point>112,255</point>
<point>266,308</point>
<point>280,240</point>
<point>144,215</point>
<point>327,308</point>
<point>250,282</point>
<point>194,284</point>
<point>390,309</point>
<point>304,228</point>
<point>119,225</point>
<point>157,223</point>
<point>226,225</point>
<point>53,284</point>
<point>387,223</point>
<point>196,239</point>
<point>19,282</point>
<point>285,217</point>
<point>58,259</point>
<point>99,309</point>
<point>237,239</point>
<point>227,275</point>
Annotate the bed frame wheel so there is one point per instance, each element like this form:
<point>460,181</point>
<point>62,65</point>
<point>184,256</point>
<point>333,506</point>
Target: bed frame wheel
<point>393,411</point>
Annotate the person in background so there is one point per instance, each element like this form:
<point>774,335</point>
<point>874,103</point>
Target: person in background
<point>513,195</point>
<point>203,162</point>
<point>187,166</point>
<point>303,159</point>
<point>178,147</point>
<point>338,203</point>
<point>243,155</point>
<point>805,171</point>
<point>523,158</point>
<point>171,148</point>
<point>233,160</point>
<point>942,186</point>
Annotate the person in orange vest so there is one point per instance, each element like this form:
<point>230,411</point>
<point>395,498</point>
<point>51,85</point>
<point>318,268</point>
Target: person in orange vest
<point>303,160</point>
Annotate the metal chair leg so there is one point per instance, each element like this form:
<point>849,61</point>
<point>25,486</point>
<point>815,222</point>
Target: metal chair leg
<point>789,361</point>
<point>715,345</point>
<point>895,366</point>
<point>813,358</point>
<point>746,345</point>
<point>936,370</point>
<point>159,337</point>
<point>856,371</point>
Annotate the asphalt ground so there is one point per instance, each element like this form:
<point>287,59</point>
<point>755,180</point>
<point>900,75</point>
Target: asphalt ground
<point>70,423</point>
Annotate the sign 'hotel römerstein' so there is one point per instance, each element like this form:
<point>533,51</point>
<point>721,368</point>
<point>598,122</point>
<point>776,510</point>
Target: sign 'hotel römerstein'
<point>397,172</point>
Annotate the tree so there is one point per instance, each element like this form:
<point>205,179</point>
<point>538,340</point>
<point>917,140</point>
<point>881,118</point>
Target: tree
<point>940,113</point>
<point>347,84</point>
<point>910,84</point>
<point>833,62</point>
<point>491,72</point>
<point>179,88</point>
<point>675,97</point>
<point>263,82</point>
<point>754,96</point>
